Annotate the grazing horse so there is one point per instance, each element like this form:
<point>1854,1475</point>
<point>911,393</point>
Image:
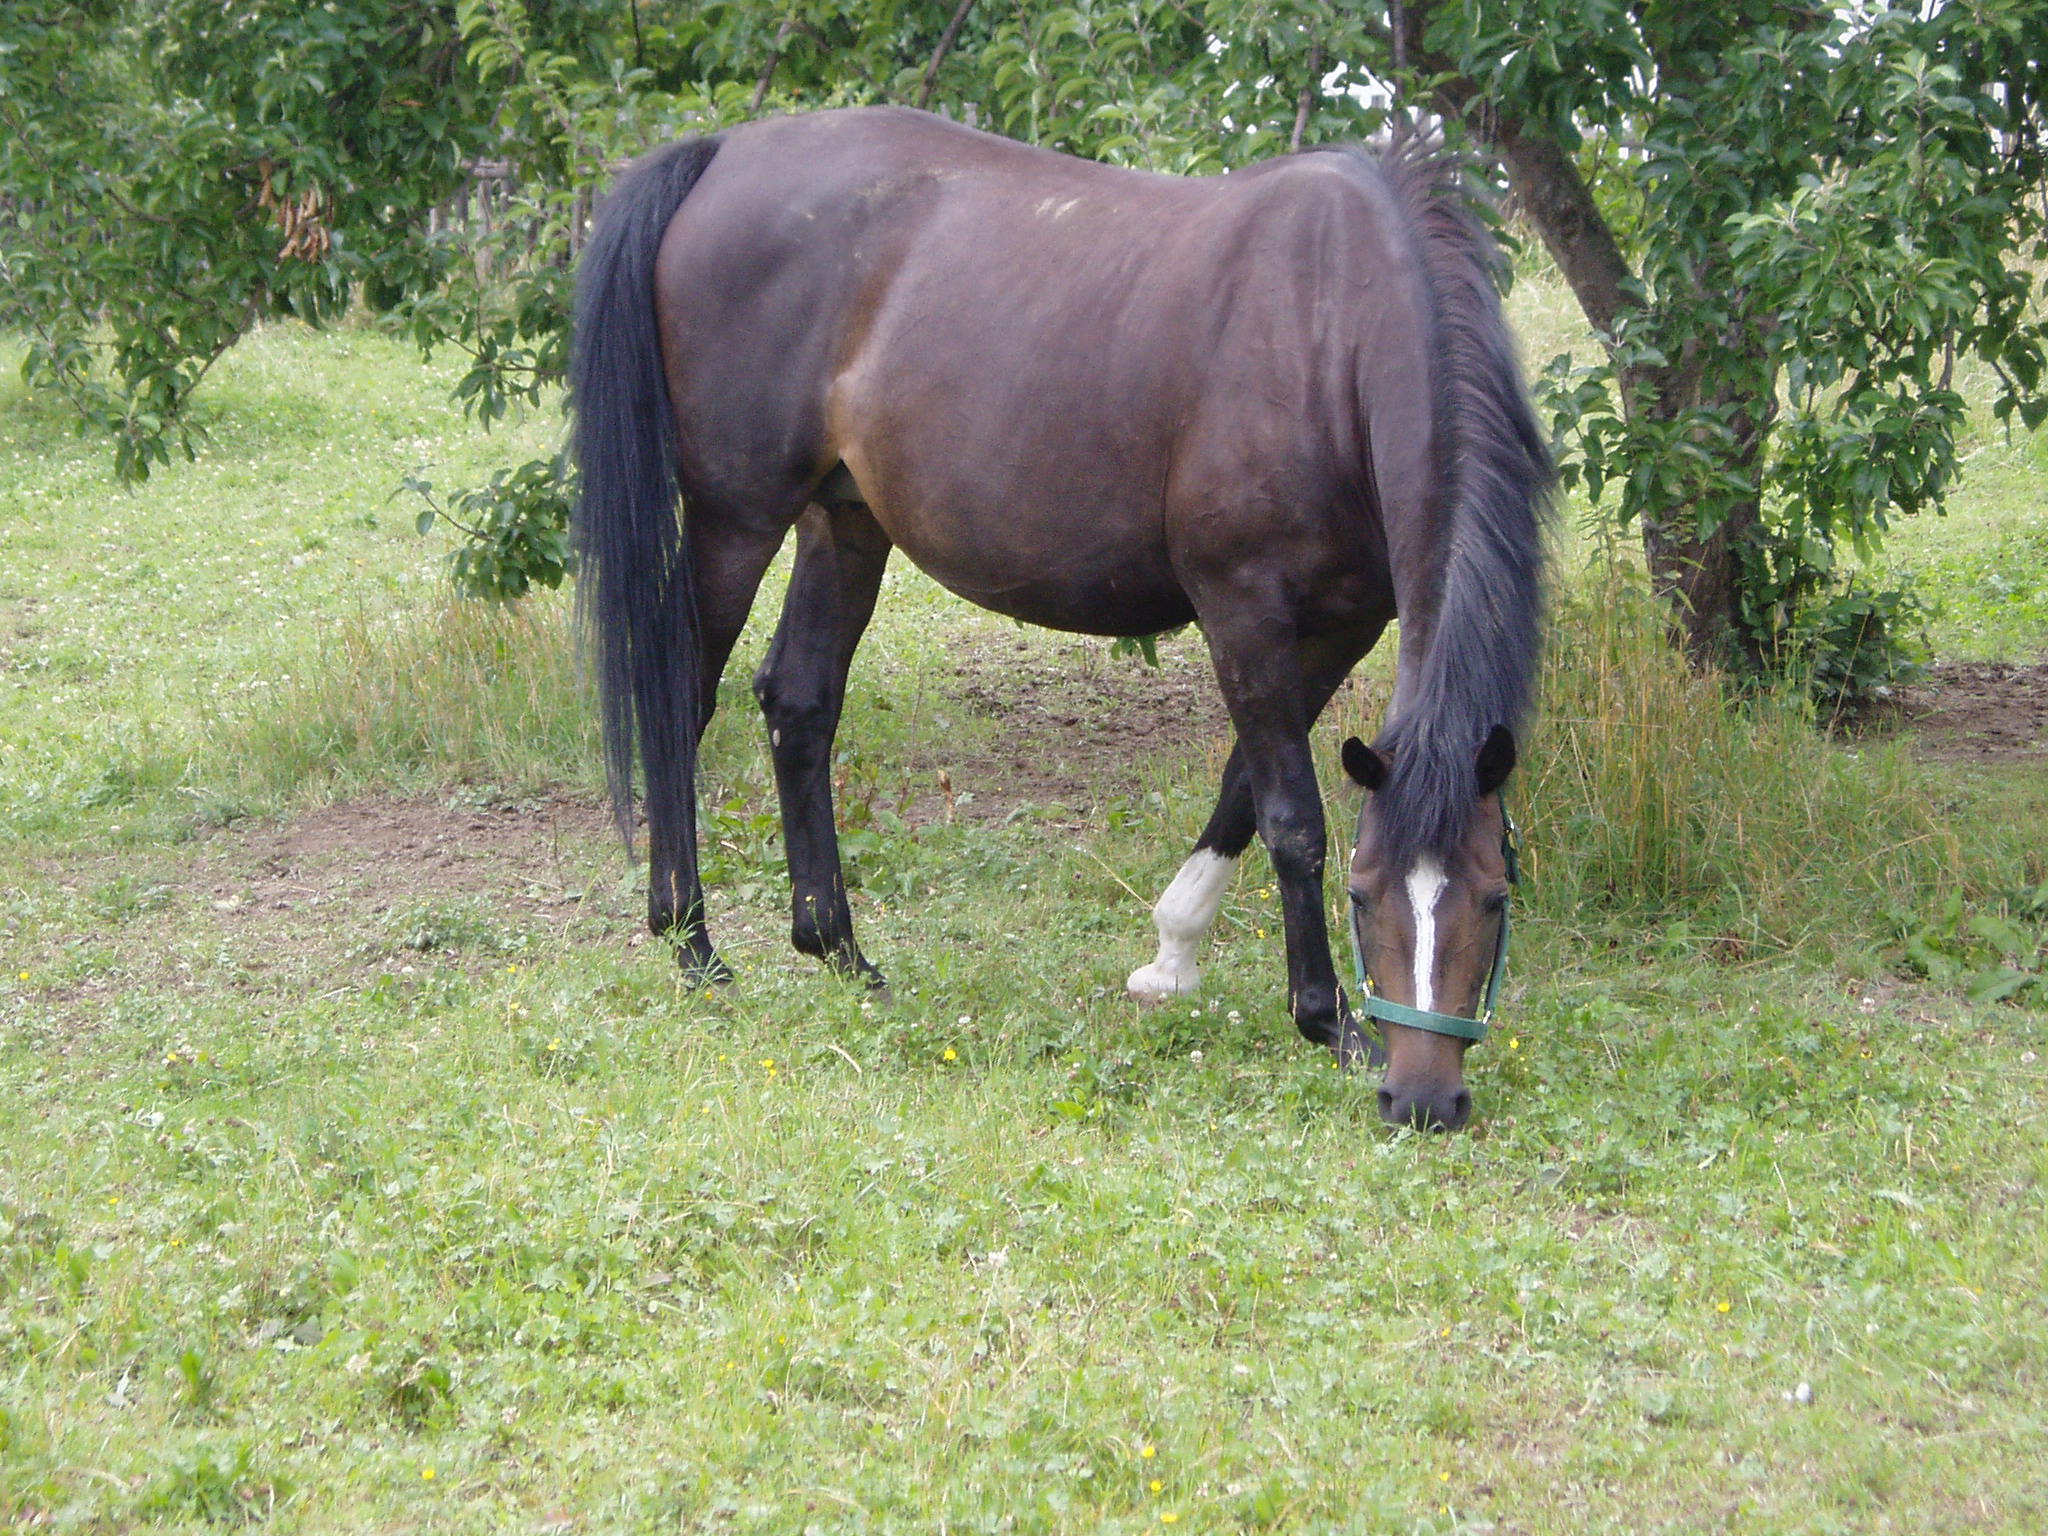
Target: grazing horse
<point>1280,403</point>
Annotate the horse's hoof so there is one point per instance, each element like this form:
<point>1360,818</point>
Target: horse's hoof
<point>1154,984</point>
<point>857,967</point>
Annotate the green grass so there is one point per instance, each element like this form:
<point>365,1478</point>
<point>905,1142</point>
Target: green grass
<point>332,1202</point>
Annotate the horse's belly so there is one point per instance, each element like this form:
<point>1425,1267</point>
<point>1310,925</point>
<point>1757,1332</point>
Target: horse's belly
<point>1061,571</point>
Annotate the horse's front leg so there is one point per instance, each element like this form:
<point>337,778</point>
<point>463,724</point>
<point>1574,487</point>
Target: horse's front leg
<point>1189,905</point>
<point>1272,699</point>
<point>841,553</point>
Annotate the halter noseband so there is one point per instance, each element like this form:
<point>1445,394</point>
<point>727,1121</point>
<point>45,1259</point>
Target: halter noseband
<point>1373,1006</point>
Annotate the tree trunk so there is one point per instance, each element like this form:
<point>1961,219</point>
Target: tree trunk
<point>1699,577</point>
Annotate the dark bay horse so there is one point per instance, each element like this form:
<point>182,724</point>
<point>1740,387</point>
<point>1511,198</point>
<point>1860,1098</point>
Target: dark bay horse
<point>1279,402</point>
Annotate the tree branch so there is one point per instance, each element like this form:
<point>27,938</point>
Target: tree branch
<point>768,70</point>
<point>1309,88</point>
<point>1547,181</point>
<point>946,40</point>
<point>99,183</point>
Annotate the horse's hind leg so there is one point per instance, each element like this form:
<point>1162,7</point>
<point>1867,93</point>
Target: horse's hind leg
<point>729,555</point>
<point>840,555</point>
<point>1189,904</point>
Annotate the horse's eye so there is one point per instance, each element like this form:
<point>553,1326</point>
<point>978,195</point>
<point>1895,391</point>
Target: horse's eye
<point>1497,902</point>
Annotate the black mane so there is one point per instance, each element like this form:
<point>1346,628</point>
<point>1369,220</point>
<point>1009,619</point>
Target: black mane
<point>1485,640</point>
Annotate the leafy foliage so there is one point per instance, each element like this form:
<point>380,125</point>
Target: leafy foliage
<point>1829,209</point>
<point>516,526</point>
<point>1995,953</point>
<point>177,173</point>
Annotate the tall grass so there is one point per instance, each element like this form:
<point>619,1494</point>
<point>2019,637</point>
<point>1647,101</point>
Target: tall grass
<point>456,690</point>
<point>1657,790</point>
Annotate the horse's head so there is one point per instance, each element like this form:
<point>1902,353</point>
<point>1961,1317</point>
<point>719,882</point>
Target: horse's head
<point>1429,934</point>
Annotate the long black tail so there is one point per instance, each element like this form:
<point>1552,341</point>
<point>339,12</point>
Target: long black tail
<point>637,592</point>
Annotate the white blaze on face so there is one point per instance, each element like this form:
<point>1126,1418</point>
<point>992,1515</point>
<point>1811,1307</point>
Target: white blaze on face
<point>1183,917</point>
<point>1426,883</point>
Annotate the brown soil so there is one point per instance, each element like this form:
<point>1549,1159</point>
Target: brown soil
<point>1980,712</point>
<point>389,852</point>
<point>1074,726</point>
<point>372,884</point>
<point>375,886</point>
<point>1057,723</point>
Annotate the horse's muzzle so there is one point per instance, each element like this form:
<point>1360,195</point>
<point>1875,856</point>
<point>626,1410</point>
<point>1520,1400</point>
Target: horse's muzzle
<point>1427,1108</point>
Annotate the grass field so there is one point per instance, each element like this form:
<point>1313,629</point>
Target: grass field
<point>361,1169</point>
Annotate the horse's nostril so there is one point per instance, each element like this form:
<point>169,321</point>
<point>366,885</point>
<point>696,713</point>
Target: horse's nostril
<point>1387,1105</point>
<point>1461,1110</point>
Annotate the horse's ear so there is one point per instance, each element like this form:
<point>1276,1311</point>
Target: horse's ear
<point>1364,765</point>
<point>1496,759</point>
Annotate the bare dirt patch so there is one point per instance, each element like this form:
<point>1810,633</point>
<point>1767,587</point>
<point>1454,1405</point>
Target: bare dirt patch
<point>273,910</point>
<point>368,882</point>
<point>1980,712</point>
<point>534,854</point>
<point>1072,724</point>
<point>363,883</point>
<point>1060,722</point>
<point>378,854</point>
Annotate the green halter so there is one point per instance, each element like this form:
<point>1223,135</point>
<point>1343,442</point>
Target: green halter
<point>1373,1006</point>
